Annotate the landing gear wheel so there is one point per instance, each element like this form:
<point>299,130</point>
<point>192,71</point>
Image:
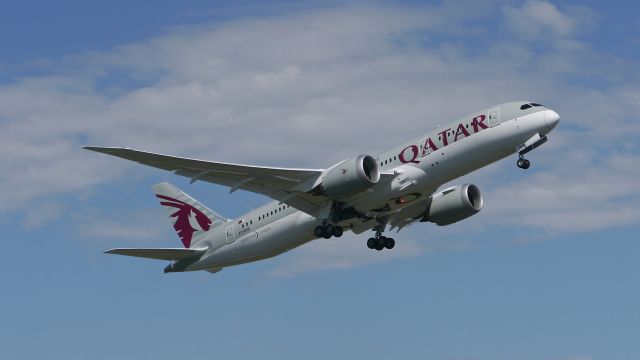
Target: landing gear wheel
<point>389,243</point>
<point>318,231</point>
<point>523,163</point>
<point>337,231</point>
<point>371,243</point>
<point>380,242</point>
<point>327,231</point>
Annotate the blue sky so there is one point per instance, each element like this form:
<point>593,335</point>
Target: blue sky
<point>548,269</point>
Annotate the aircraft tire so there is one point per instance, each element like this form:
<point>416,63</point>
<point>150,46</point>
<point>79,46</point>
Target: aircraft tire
<point>328,231</point>
<point>371,243</point>
<point>318,231</point>
<point>338,231</point>
<point>526,164</point>
<point>520,163</point>
<point>389,243</point>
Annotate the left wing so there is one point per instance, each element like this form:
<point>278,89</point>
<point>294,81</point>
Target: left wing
<point>286,185</point>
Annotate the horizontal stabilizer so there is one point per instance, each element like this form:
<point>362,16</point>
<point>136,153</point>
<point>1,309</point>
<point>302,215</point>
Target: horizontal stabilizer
<point>160,254</point>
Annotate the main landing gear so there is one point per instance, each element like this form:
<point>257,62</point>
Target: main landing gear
<point>328,230</point>
<point>522,162</point>
<point>380,242</point>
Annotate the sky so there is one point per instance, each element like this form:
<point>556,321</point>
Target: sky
<point>547,270</point>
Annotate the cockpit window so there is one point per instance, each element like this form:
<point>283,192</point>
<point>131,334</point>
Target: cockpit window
<point>534,104</point>
<point>525,107</point>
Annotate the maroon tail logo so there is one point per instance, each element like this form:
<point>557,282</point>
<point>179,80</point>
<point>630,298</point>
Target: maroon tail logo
<point>188,219</point>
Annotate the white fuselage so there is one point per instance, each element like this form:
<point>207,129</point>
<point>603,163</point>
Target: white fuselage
<point>421,166</point>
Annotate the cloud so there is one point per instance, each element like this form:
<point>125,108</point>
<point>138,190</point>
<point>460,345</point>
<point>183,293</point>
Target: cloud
<point>312,87</point>
<point>542,20</point>
<point>138,225</point>
<point>335,254</point>
<point>350,251</point>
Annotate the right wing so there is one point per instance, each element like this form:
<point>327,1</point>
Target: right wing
<point>286,185</point>
<point>160,254</point>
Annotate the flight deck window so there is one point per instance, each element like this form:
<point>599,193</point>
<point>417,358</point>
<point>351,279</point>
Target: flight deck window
<point>534,104</point>
<point>525,107</point>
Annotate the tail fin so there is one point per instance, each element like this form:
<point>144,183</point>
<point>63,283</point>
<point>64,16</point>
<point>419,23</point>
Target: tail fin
<point>191,219</point>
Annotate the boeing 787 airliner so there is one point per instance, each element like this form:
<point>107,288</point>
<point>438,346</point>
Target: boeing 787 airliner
<point>367,192</point>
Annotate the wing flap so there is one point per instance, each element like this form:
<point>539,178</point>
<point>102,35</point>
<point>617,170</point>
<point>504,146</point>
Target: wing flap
<point>159,253</point>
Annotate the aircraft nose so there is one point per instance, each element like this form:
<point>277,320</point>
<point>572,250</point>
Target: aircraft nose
<point>551,118</point>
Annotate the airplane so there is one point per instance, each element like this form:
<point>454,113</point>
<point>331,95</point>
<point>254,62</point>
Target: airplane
<point>392,189</point>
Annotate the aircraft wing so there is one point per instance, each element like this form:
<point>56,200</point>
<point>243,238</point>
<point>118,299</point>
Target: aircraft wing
<point>287,185</point>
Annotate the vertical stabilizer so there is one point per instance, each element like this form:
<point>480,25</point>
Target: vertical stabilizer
<point>191,220</point>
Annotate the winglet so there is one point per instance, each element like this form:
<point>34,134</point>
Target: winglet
<point>106,150</point>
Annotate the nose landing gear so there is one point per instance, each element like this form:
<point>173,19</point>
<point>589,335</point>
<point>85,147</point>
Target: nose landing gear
<point>535,141</point>
<point>522,162</point>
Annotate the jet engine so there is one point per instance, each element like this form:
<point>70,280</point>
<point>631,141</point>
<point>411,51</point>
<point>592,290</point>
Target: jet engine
<point>454,204</point>
<point>349,177</point>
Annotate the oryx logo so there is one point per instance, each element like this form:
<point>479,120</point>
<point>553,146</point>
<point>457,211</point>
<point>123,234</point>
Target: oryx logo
<point>188,219</point>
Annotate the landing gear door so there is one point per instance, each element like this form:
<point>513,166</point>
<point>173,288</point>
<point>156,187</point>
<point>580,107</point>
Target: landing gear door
<point>230,237</point>
<point>494,117</point>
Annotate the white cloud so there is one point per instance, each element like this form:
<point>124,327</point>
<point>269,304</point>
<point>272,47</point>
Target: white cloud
<point>343,253</point>
<point>351,251</point>
<point>139,225</point>
<point>542,20</point>
<point>313,87</point>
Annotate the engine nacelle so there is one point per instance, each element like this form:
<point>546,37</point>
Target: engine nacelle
<point>349,177</point>
<point>454,204</point>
